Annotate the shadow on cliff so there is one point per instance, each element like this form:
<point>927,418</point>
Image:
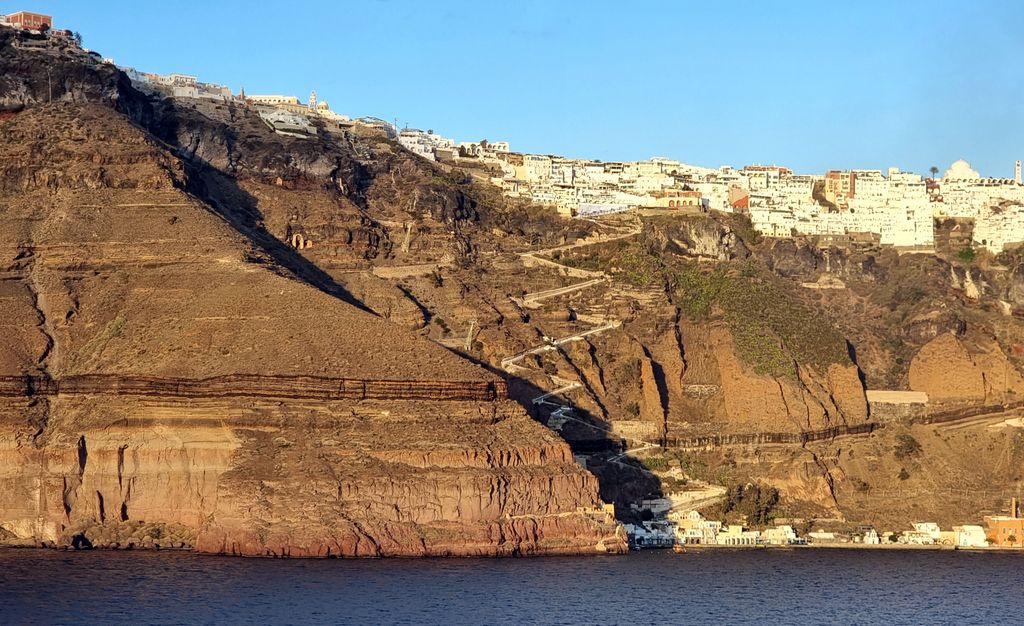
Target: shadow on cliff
<point>240,209</point>
<point>621,479</point>
<point>220,190</point>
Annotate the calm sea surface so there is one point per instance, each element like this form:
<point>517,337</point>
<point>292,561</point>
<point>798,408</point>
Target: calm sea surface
<point>720,587</point>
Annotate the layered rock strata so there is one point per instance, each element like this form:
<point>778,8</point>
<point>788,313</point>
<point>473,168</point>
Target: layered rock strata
<point>165,380</point>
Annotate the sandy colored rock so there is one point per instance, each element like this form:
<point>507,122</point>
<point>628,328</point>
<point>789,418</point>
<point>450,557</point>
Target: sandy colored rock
<point>949,371</point>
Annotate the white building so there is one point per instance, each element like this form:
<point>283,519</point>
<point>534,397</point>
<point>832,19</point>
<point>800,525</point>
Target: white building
<point>273,100</point>
<point>924,533</point>
<point>483,148</point>
<point>970,536</point>
<point>821,536</point>
<point>652,534</point>
<point>780,536</point>
<point>736,535</point>
<point>692,528</point>
<point>286,122</point>
<point>961,170</point>
<point>424,144</point>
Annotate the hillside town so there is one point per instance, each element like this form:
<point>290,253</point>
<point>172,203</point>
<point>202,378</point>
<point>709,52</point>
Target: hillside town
<point>891,208</point>
<point>682,528</point>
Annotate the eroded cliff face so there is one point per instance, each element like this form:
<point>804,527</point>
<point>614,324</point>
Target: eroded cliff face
<point>736,363</point>
<point>748,403</point>
<point>171,378</point>
<point>190,360</point>
<point>955,371</point>
<point>292,478</point>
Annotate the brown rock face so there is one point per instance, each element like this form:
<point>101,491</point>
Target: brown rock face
<point>166,380</point>
<point>749,403</point>
<point>953,371</point>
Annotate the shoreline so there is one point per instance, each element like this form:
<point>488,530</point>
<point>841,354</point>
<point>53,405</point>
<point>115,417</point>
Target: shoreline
<point>697,547</point>
<point>27,546</point>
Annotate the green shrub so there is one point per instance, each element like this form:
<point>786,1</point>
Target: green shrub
<point>755,501</point>
<point>655,463</point>
<point>696,291</point>
<point>906,447</point>
<point>966,255</point>
<point>638,268</point>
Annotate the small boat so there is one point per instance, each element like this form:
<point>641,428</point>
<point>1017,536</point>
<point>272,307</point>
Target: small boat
<point>678,548</point>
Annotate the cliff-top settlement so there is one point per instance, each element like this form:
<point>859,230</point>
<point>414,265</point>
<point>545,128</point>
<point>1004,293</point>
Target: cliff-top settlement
<point>250,324</point>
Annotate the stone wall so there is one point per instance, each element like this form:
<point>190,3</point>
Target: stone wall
<point>237,385</point>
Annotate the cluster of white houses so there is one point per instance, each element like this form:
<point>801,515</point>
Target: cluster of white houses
<point>894,208</point>
<point>691,528</point>
<point>284,114</point>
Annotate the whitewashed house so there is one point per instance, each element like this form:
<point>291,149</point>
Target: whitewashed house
<point>970,536</point>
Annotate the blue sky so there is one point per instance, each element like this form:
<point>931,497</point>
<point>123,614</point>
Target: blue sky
<point>811,85</point>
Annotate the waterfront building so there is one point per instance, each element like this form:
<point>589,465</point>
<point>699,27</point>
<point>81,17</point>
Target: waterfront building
<point>737,535</point>
<point>782,535</point>
<point>821,536</point>
<point>651,534</point>
<point>969,536</point>
<point>924,533</point>
<point>692,528</point>
<point>1006,530</point>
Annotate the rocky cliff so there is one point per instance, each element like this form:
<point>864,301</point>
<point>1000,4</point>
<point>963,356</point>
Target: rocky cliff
<point>175,375</point>
<point>229,338</point>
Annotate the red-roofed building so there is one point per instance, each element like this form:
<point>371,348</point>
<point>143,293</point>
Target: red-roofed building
<point>30,21</point>
<point>778,169</point>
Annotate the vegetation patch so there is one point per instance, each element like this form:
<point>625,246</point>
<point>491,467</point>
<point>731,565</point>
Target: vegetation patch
<point>966,255</point>
<point>627,374</point>
<point>754,501</point>
<point>906,447</point>
<point>637,267</point>
<point>744,229</point>
<point>771,328</point>
<point>655,463</point>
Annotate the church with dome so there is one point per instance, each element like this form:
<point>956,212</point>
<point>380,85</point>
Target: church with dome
<point>961,170</point>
